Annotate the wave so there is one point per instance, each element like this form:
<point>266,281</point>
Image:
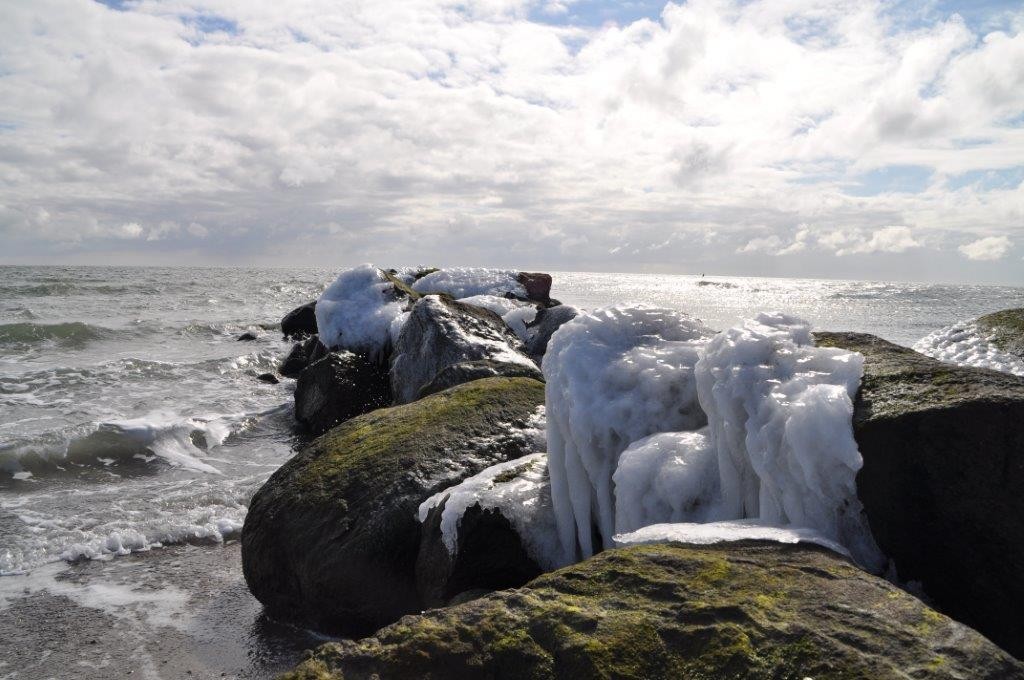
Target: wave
<point>128,446</point>
<point>68,334</point>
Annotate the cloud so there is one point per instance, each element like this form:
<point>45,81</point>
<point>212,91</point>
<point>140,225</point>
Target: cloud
<point>987,249</point>
<point>499,130</point>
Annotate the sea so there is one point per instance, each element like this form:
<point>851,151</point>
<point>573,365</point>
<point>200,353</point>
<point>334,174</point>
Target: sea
<point>134,431</point>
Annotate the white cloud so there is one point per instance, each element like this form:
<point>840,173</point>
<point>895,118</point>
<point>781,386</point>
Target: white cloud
<point>368,124</point>
<point>987,249</point>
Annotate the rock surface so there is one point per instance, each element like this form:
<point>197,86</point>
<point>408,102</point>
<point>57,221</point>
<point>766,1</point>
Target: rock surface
<point>300,322</point>
<point>744,610</point>
<point>302,355</point>
<point>457,374</point>
<point>340,386</point>
<point>331,539</point>
<point>545,324</point>
<point>537,285</point>
<point>942,480</point>
<point>1006,329</point>
<point>441,332</point>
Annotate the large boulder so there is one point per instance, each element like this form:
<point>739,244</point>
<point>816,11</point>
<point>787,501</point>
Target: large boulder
<point>300,322</point>
<point>1006,330</point>
<point>743,611</point>
<point>943,479</point>
<point>340,386</point>
<point>441,332</point>
<point>331,539</point>
<point>537,285</point>
<point>464,372</point>
<point>544,325</point>
<point>302,354</point>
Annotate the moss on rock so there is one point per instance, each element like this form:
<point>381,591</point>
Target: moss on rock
<point>1006,330</point>
<point>674,611</point>
<point>331,539</point>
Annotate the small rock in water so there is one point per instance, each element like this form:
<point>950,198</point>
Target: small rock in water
<point>268,378</point>
<point>248,336</point>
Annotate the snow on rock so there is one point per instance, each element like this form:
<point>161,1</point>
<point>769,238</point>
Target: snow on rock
<point>720,532</point>
<point>780,419</point>
<point>966,344</point>
<point>614,375</point>
<point>463,282</point>
<point>515,313</point>
<point>358,312</point>
<point>667,477</point>
<point>519,490</point>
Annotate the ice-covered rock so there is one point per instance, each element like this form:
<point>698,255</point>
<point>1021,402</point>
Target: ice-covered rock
<point>358,310</point>
<point>544,325</point>
<point>495,530</point>
<point>709,533</point>
<point>463,282</point>
<point>981,343</point>
<point>516,314</point>
<point>780,420</point>
<point>614,375</point>
<point>667,477</point>
<point>441,332</point>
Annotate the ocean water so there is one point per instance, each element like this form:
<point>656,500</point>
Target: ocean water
<point>131,417</point>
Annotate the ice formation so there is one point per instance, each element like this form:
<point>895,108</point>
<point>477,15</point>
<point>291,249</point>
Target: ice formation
<point>667,477</point>
<point>515,313</point>
<point>463,282</point>
<point>614,375</point>
<point>966,345</point>
<point>358,312</point>
<point>720,532</point>
<point>520,491</point>
<point>778,447</point>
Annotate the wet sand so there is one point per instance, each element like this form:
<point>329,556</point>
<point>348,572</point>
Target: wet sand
<point>176,612</point>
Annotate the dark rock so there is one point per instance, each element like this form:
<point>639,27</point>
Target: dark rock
<point>742,611</point>
<point>331,539</point>
<point>300,322</point>
<point>537,285</point>
<point>456,374</point>
<point>544,325</point>
<point>268,378</point>
<point>1006,328</point>
<point>248,336</point>
<point>441,332</point>
<point>338,387</point>
<point>489,555</point>
<point>302,355</point>
<point>942,480</point>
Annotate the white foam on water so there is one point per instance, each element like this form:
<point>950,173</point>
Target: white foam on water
<point>464,282</point>
<point>965,344</point>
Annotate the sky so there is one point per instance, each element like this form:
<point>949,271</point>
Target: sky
<point>804,138</point>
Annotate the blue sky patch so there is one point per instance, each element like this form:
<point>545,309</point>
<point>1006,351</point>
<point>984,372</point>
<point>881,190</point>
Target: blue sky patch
<point>902,179</point>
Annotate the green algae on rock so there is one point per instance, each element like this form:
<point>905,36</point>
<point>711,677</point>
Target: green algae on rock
<point>331,539</point>
<point>942,481</point>
<point>1005,329</point>
<point>744,611</point>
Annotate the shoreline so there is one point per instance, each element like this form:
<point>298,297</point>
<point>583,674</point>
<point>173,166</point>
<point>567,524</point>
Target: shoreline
<point>175,612</point>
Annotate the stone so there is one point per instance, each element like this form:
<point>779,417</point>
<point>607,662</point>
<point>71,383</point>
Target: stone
<point>300,322</point>
<point>340,386</point>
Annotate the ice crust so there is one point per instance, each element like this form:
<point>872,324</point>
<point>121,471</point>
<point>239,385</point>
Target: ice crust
<point>515,313</point>
<point>359,312</point>
<point>614,375</point>
<point>778,445</point>
<point>463,282</point>
<point>965,344</point>
<point>721,532</point>
<point>524,500</point>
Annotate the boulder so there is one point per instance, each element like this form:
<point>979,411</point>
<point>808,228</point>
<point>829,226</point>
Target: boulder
<point>300,322</point>
<point>456,374</point>
<point>441,332</point>
<point>744,611</point>
<point>247,336</point>
<point>942,480</point>
<point>302,355</point>
<point>340,386</point>
<point>268,378</point>
<point>544,325</point>
<point>331,539</point>
<point>1006,330</point>
<point>537,285</point>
